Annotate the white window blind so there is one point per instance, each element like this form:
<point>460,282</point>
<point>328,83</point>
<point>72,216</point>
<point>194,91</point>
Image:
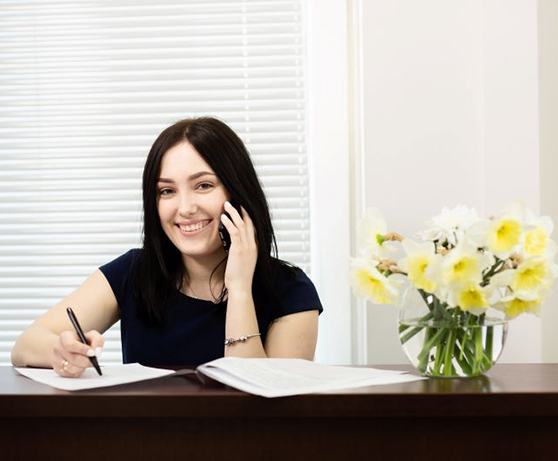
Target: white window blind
<point>85,87</point>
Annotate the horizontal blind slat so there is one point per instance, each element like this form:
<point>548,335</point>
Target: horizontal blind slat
<point>86,87</point>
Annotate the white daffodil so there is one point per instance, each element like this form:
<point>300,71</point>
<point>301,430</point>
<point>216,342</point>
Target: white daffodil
<point>370,283</point>
<point>370,233</point>
<point>518,303</point>
<point>505,232</point>
<point>533,275</point>
<point>465,262</point>
<point>419,257</point>
<point>536,239</point>
<point>469,297</point>
<point>463,265</point>
<point>450,225</point>
<point>502,279</point>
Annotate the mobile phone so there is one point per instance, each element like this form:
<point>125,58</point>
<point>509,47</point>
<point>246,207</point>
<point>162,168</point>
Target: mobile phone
<point>223,232</point>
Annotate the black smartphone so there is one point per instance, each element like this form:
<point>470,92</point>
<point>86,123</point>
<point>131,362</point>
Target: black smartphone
<point>223,232</point>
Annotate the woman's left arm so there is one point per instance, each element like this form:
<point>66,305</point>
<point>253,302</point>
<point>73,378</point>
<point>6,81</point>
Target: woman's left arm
<point>293,335</point>
<point>241,317</point>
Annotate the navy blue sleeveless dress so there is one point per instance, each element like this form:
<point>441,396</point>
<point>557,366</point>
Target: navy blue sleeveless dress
<point>194,329</point>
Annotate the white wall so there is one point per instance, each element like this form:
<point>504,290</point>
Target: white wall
<point>511,132</point>
<point>548,110</point>
<point>448,115</point>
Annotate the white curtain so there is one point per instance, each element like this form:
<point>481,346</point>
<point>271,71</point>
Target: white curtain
<point>85,87</point>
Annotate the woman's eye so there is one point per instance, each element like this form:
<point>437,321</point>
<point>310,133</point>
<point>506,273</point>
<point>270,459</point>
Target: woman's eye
<point>164,192</point>
<point>204,186</point>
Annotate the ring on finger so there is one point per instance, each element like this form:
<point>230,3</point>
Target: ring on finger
<point>65,365</point>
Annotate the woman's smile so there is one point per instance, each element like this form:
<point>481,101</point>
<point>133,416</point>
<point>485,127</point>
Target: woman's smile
<point>193,227</point>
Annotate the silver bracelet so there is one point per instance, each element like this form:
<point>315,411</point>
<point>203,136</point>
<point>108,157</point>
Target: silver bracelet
<point>231,341</point>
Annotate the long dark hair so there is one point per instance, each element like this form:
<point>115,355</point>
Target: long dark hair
<point>160,269</point>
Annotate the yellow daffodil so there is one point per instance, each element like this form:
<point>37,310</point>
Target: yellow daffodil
<point>419,258</point>
<point>519,303</point>
<point>462,262</point>
<point>536,241</point>
<point>504,235</point>
<point>466,267</point>
<point>370,283</point>
<point>531,274</point>
<point>462,265</point>
<point>470,297</point>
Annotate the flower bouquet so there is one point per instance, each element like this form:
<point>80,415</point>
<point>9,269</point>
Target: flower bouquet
<point>458,282</point>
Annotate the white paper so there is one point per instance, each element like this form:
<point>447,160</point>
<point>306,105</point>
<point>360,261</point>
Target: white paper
<point>112,375</point>
<point>283,377</point>
<point>264,377</point>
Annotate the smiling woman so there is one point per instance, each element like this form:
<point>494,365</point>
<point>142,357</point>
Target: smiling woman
<point>182,299</point>
<point>190,203</point>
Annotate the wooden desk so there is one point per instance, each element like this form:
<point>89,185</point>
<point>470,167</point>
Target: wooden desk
<point>510,414</point>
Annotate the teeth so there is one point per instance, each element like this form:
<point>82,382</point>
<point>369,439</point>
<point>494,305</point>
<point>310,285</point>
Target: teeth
<point>194,227</point>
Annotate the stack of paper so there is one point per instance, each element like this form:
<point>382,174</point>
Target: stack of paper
<point>283,377</point>
<point>265,377</point>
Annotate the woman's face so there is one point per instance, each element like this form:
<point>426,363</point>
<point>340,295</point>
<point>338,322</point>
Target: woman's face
<point>190,202</point>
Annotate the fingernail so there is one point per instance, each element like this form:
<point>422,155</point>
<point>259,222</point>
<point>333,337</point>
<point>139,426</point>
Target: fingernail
<point>90,353</point>
<point>99,352</point>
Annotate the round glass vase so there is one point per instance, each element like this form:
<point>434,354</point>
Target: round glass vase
<point>441,341</point>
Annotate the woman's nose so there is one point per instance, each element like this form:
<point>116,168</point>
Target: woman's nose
<point>187,206</point>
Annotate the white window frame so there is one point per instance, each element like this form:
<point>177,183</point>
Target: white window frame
<point>330,169</point>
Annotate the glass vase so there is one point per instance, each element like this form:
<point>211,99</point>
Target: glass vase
<point>443,341</point>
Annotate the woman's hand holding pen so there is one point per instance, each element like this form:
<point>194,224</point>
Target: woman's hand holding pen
<point>69,349</point>
<point>243,253</point>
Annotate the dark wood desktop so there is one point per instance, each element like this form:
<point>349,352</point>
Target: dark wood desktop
<point>512,413</point>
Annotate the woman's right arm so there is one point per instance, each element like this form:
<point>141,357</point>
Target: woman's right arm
<point>51,338</point>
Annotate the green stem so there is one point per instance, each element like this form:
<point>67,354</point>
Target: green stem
<point>432,338</point>
<point>489,341</point>
<point>464,338</point>
<point>450,343</point>
<point>437,368</point>
<point>461,359</point>
<point>422,324</point>
<point>424,295</point>
<point>477,335</point>
<point>453,339</point>
<point>496,267</point>
<point>410,334</point>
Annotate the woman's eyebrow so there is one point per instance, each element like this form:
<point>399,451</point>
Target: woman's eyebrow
<point>201,173</point>
<point>190,178</point>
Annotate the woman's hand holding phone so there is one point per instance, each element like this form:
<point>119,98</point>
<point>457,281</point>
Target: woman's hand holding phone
<point>243,251</point>
<point>71,350</point>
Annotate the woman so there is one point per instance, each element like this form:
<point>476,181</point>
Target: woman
<point>183,299</point>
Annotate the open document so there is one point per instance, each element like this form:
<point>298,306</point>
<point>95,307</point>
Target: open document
<point>264,377</point>
<point>283,377</point>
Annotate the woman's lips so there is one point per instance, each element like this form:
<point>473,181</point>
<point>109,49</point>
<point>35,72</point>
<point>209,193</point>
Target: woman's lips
<point>192,229</point>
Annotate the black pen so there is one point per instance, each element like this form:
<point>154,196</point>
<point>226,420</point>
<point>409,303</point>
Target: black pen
<point>82,338</point>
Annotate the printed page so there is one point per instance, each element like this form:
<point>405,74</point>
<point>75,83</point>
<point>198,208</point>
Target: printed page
<point>112,375</point>
<point>282,377</point>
